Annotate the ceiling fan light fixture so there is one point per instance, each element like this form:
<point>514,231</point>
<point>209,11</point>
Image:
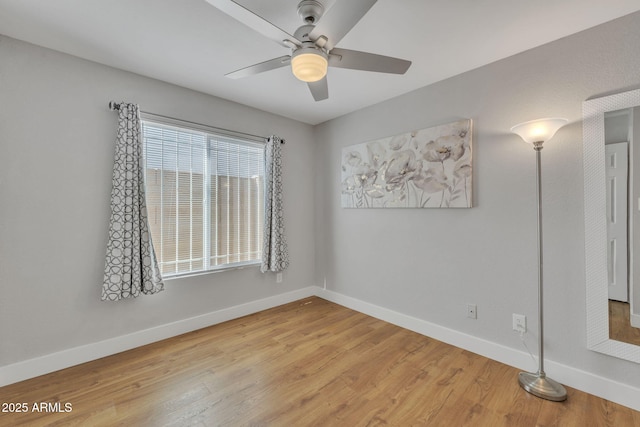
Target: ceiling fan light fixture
<point>309,64</point>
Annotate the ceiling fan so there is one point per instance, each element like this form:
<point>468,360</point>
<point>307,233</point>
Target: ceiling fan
<point>313,44</point>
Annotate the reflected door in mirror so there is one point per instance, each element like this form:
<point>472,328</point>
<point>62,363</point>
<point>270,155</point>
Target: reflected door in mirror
<point>616,156</point>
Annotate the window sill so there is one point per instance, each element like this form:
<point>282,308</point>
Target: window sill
<point>213,270</point>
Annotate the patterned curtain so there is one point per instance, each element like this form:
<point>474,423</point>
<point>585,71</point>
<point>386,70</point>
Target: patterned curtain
<point>131,267</point>
<point>274,253</point>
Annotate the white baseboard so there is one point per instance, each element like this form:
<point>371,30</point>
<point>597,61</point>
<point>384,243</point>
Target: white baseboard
<point>31,368</point>
<point>614,391</point>
<point>622,394</point>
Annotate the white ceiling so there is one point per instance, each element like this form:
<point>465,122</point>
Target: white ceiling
<point>192,44</point>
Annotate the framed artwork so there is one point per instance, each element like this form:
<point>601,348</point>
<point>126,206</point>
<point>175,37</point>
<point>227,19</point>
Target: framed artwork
<point>427,168</point>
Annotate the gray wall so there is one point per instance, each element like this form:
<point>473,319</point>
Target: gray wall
<point>57,140</point>
<point>431,263</point>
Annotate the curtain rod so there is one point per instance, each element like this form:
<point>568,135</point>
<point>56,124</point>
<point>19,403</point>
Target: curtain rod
<point>113,106</point>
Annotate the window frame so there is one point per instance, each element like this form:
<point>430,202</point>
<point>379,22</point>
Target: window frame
<point>210,131</point>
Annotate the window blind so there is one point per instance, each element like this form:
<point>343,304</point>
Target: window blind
<point>205,198</point>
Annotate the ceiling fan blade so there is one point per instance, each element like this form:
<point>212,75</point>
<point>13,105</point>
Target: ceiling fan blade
<point>254,69</point>
<point>319,89</point>
<point>340,19</point>
<point>254,21</point>
<point>356,60</point>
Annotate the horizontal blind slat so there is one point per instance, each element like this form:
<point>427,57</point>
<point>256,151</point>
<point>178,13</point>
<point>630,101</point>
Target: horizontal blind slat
<point>198,221</point>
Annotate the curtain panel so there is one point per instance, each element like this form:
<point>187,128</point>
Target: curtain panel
<point>131,267</point>
<point>275,256</point>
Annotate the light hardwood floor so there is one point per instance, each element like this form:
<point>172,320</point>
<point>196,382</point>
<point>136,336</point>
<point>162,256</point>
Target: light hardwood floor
<point>308,363</point>
<point>620,328</point>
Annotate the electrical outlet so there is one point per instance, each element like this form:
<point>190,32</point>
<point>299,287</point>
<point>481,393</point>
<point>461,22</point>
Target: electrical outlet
<point>278,277</point>
<point>472,311</point>
<point>520,323</point>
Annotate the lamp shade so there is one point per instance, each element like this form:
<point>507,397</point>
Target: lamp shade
<point>540,130</point>
<point>309,64</point>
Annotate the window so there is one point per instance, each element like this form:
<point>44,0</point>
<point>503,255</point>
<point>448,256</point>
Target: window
<point>205,197</point>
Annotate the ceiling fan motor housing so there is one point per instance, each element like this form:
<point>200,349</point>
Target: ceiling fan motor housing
<point>302,34</point>
<point>310,11</point>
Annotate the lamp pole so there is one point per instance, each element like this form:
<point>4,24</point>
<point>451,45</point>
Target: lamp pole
<point>538,384</point>
<point>536,132</point>
<point>538,147</point>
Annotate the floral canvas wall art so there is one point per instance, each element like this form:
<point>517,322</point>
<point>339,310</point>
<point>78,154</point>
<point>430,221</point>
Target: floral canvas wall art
<point>428,168</point>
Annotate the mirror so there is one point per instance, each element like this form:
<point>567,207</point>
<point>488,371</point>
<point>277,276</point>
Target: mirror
<point>604,257</point>
<point>622,216</point>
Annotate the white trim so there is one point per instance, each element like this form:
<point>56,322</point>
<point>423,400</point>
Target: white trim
<point>635,320</point>
<point>31,368</point>
<point>605,388</point>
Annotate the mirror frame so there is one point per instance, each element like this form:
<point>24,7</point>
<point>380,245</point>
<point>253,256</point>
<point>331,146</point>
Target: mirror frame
<point>595,228</point>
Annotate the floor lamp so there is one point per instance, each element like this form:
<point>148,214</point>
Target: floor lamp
<point>536,132</point>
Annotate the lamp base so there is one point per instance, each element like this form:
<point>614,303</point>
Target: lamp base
<point>541,386</point>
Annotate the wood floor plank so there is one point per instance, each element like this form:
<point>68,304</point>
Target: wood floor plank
<point>620,328</point>
<point>308,363</point>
